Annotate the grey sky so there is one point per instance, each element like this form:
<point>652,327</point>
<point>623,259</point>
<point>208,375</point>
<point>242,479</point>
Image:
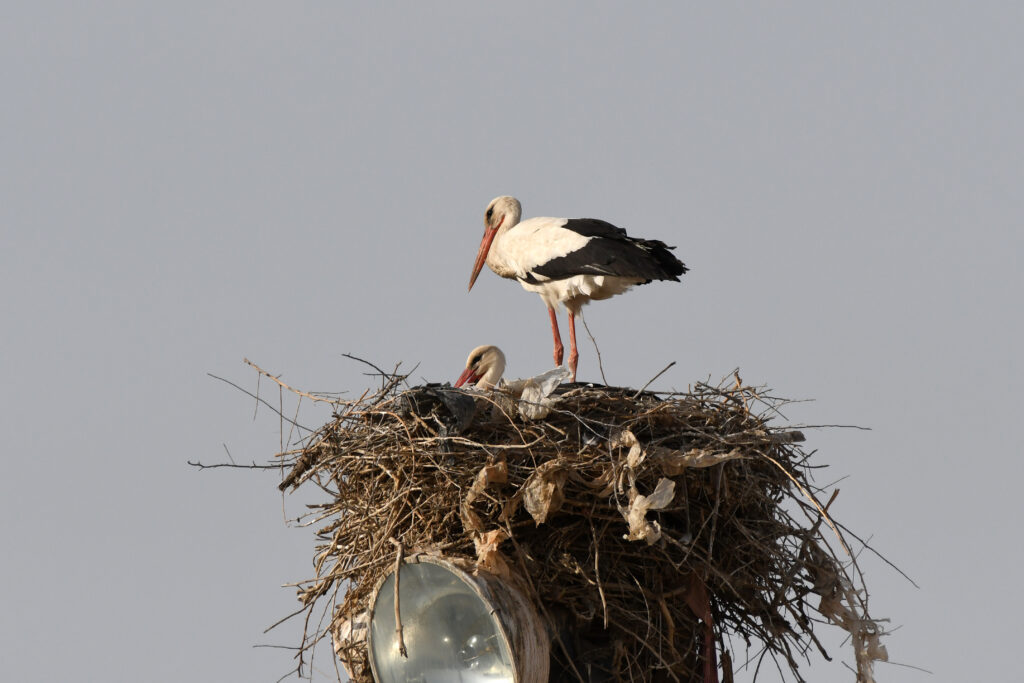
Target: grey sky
<point>189,184</point>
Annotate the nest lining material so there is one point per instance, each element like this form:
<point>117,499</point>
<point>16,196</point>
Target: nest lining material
<point>655,533</point>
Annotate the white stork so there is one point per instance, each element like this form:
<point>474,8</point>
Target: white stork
<point>484,367</point>
<point>568,260</point>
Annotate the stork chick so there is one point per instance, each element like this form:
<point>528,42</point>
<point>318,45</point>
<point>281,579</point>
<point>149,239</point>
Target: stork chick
<point>484,367</point>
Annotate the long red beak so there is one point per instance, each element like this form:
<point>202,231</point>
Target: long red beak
<point>481,256</point>
<point>467,374</point>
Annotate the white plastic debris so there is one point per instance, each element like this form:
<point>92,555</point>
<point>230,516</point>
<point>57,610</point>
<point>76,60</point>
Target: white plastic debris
<point>535,392</point>
<point>636,515</point>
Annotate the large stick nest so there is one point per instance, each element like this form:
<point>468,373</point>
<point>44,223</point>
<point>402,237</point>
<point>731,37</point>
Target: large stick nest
<point>658,534</point>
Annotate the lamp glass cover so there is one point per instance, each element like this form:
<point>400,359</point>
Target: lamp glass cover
<point>448,629</point>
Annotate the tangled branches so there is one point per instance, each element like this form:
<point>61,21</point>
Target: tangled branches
<point>658,533</point>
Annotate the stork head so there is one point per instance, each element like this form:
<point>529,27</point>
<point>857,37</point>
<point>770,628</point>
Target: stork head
<point>502,213</point>
<point>484,367</point>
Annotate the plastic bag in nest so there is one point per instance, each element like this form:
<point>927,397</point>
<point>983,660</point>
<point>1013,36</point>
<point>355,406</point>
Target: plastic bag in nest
<point>636,514</point>
<point>535,392</point>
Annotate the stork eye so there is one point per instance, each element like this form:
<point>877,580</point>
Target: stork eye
<point>476,359</point>
<point>490,212</point>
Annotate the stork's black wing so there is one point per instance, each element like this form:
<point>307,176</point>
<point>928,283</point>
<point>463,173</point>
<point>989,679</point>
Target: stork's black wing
<point>610,251</point>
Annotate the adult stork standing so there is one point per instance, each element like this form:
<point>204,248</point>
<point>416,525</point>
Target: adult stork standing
<point>571,261</point>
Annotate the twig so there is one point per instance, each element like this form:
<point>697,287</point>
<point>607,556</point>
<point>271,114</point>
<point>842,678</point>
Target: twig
<point>255,396</point>
<point>232,465</point>
<point>637,394</point>
<point>880,556</point>
<point>398,616</point>
<point>256,406</point>
<point>284,619</point>
<point>283,385</point>
<point>910,666</point>
<point>366,362</point>
<point>813,500</point>
<point>393,378</point>
<point>597,574</point>
<point>600,365</point>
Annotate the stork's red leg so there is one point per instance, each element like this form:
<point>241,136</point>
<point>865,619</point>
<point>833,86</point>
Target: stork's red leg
<point>573,353</point>
<point>558,338</point>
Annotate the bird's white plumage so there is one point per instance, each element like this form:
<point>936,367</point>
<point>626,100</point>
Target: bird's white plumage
<point>569,262</point>
<point>534,242</point>
<point>578,290</point>
<point>484,367</point>
<point>516,251</point>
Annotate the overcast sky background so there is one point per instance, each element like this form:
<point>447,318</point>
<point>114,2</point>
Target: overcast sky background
<point>189,184</point>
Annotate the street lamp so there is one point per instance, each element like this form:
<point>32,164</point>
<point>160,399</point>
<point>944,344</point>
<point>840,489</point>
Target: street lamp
<point>457,627</point>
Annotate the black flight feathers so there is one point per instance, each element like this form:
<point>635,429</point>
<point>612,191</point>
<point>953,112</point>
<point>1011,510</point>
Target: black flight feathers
<point>610,251</point>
